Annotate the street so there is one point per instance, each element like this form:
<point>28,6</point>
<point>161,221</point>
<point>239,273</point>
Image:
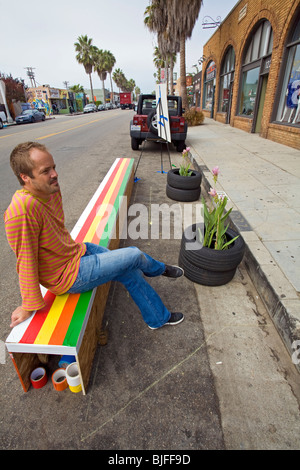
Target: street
<point>220,380</point>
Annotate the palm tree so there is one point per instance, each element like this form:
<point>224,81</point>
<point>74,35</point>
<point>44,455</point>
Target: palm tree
<point>101,66</point>
<point>158,62</point>
<point>86,56</point>
<point>111,62</point>
<point>182,16</point>
<point>173,21</point>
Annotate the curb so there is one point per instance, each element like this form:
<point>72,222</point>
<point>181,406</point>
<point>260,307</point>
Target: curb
<point>277,293</point>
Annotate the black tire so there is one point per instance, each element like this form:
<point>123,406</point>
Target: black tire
<point>134,143</point>
<point>43,118</point>
<point>184,195</point>
<point>208,258</point>
<point>152,122</point>
<point>204,276</point>
<point>180,145</point>
<point>175,180</point>
<point>1,124</point>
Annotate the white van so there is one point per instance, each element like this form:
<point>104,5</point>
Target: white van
<point>3,117</point>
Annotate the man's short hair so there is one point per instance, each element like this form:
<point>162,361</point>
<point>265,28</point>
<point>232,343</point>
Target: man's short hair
<point>20,160</point>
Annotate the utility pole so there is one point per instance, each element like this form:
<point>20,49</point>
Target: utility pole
<point>30,74</point>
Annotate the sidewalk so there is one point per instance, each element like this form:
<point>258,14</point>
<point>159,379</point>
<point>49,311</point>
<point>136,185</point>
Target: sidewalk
<point>262,180</point>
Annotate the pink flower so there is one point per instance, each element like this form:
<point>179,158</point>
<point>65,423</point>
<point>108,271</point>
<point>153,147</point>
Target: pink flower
<point>216,171</point>
<point>212,192</point>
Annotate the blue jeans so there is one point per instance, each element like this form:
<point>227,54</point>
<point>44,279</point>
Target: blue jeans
<point>126,265</point>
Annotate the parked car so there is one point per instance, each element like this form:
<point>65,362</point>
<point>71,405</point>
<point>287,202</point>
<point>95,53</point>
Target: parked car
<point>101,107</point>
<point>144,124</point>
<point>90,108</point>
<point>30,115</point>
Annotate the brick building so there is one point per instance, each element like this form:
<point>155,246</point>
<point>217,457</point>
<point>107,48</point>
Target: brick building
<point>251,76</point>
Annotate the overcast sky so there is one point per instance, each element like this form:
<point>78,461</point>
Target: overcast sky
<point>42,35</point>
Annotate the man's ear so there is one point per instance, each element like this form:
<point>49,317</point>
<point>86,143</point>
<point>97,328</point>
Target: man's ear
<point>24,177</point>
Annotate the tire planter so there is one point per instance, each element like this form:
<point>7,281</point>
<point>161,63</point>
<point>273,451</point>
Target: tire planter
<point>183,188</point>
<point>175,180</point>
<point>207,266</point>
<point>183,195</point>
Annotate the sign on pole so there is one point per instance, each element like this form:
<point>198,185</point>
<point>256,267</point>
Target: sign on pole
<point>163,123</point>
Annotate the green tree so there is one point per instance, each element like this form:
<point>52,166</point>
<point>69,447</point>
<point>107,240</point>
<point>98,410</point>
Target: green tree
<point>86,56</point>
<point>173,21</point>
<point>101,65</point>
<point>111,62</point>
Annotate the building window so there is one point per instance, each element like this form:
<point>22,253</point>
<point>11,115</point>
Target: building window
<point>226,79</point>
<point>259,47</point>
<point>208,91</point>
<point>288,111</point>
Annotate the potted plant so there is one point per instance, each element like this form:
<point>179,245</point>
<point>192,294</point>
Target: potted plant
<point>210,251</point>
<point>184,184</point>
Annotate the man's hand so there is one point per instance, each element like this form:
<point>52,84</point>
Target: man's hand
<point>19,315</point>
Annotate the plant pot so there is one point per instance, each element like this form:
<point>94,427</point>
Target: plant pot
<point>208,266</point>
<point>183,188</point>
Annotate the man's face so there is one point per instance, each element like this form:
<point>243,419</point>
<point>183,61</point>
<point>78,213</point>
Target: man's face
<point>44,181</point>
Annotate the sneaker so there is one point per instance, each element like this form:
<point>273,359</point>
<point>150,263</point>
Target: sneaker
<point>175,319</point>
<point>173,271</point>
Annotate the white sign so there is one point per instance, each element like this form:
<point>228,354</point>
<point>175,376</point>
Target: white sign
<point>162,112</point>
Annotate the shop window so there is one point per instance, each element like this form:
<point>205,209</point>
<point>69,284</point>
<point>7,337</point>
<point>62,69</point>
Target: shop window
<point>258,50</point>
<point>288,111</point>
<point>208,91</point>
<point>226,79</point>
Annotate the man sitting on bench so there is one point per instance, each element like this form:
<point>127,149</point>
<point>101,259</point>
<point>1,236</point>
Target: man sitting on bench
<point>47,255</point>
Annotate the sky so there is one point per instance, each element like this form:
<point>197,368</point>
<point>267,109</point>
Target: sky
<point>41,35</point>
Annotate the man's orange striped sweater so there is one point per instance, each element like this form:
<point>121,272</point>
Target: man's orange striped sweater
<point>46,253</point>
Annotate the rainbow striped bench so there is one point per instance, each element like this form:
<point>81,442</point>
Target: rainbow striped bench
<point>70,324</point>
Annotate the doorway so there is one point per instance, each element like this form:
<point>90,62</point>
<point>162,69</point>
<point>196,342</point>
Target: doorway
<point>262,96</point>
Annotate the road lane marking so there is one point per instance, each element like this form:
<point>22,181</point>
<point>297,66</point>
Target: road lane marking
<point>67,130</point>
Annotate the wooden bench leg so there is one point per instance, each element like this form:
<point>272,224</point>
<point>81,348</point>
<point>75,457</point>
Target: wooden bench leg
<point>24,364</point>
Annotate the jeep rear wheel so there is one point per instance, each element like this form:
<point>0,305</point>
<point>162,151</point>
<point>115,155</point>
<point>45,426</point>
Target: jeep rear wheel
<point>180,145</point>
<point>134,143</point>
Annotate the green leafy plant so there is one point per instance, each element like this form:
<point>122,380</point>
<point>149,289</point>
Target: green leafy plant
<point>214,219</point>
<point>184,169</point>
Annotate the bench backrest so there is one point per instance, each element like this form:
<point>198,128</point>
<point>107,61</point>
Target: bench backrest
<point>62,321</point>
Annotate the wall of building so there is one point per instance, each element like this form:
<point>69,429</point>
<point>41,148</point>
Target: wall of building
<point>235,31</point>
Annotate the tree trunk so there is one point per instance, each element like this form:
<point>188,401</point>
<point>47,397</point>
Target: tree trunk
<point>183,92</point>
<point>171,75</point>
<point>103,90</point>
<point>111,90</point>
<point>92,91</point>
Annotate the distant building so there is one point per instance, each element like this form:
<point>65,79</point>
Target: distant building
<point>55,100</point>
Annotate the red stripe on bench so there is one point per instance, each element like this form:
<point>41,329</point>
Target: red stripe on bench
<point>91,216</point>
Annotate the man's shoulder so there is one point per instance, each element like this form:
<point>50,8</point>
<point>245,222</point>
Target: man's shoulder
<point>22,203</point>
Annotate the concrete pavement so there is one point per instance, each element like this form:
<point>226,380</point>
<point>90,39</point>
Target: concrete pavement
<point>262,180</point>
